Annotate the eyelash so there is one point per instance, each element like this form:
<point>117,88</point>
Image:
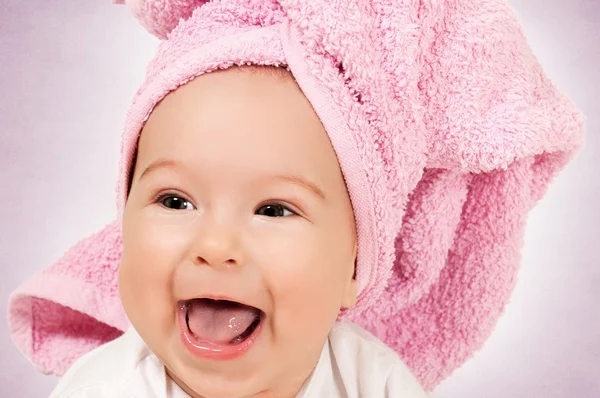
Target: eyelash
<point>276,203</point>
<point>161,197</point>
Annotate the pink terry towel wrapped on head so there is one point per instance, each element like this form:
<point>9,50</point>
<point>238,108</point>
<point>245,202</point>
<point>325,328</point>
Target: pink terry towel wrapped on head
<point>447,131</point>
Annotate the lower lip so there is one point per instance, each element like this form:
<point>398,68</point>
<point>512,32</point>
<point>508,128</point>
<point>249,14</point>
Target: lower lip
<point>209,350</point>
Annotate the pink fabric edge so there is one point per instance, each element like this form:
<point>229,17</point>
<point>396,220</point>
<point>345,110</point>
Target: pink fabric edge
<point>350,162</point>
<point>48,287</point>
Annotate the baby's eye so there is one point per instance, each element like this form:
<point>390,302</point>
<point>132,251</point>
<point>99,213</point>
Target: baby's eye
<point>175,202</point>
<point>274,210</point>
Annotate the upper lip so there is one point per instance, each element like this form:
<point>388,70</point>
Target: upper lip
<point>223,298</point>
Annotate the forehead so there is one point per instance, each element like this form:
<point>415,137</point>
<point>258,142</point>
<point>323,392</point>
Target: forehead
<point>248,119</point>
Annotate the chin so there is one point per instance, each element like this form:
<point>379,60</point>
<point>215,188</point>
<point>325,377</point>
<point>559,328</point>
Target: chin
<point>220,387</point>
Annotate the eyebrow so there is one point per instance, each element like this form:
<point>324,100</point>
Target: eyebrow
<point>167,163</point>
<point>304,184</point>
<point>158,164</point>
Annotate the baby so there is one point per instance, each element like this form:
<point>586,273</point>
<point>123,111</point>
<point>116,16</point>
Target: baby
<point>239,247</point>
<point>317,199</point>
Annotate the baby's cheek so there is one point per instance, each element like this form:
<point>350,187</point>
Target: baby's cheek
<point>305,296</point>
<point>158,243</point>
<point>150,254</point>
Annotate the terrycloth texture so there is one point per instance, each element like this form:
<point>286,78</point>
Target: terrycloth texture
<point>447,132</point>
<point>161,17</point>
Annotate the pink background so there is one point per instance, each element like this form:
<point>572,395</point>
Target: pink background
<point>68,72</point>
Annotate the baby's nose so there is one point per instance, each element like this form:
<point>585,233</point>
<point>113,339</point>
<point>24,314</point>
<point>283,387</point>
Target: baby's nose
<point>217,246</point>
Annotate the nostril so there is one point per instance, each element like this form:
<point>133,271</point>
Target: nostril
<point>203,261</point>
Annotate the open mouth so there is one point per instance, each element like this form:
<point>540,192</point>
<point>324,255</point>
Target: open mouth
<point>218,328</point>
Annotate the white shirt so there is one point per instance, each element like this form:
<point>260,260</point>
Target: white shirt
<point>353,364</point>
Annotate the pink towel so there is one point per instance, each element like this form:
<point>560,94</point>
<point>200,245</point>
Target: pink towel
<point>447,131</point>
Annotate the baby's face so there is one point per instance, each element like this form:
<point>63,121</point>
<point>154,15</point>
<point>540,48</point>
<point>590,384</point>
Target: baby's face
<point>237,195</point>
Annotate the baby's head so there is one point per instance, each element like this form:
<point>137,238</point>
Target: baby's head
<point>237,195</point>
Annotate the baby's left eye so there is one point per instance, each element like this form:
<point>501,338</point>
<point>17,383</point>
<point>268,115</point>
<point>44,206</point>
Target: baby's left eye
<point>175,202</point>
<point>274,210</point>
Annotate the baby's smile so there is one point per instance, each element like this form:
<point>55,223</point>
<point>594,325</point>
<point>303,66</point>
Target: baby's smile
<point>218,328</point>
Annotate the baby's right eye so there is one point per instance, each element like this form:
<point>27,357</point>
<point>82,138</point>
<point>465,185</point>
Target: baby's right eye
<point>175,202</point>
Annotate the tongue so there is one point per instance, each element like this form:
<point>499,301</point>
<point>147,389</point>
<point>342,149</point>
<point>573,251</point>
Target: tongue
<point>219,321</point>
